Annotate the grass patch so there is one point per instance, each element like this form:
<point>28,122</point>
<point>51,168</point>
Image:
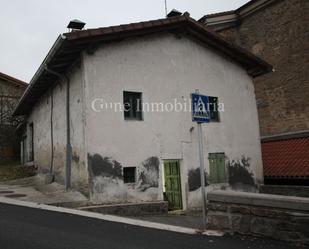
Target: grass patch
<point>10,170</point>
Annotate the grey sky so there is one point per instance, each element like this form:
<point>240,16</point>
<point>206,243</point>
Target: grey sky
<point>29,28</point>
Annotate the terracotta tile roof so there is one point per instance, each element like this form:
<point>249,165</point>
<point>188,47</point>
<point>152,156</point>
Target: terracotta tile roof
<point>68,47</point>
<point>286,158</point>
<point>217,14</point>
<point>13,80</point>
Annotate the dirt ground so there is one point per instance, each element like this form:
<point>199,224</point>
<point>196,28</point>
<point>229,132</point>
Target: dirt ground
<point>10,170</point>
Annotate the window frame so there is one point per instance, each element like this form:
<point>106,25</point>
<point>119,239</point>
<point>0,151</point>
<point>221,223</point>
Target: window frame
<point>135,115</point>
<point>125,178</point>
<point>212,111</point>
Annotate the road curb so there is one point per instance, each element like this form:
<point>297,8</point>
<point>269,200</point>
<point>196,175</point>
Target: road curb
<point>112,218</point>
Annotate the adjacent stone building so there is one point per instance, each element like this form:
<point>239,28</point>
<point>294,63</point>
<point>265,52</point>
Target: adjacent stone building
<point>277,31</point>
<point>81,133</point>
<point>11,90</point>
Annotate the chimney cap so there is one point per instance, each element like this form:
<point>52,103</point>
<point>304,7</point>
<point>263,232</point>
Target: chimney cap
<point>76,24</point>
<point>173,13</point>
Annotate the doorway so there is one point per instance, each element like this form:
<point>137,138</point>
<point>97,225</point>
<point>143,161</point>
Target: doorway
<point>172,184</point>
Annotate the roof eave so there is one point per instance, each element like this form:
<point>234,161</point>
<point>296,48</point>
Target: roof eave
<point>61,38</point>
<point>69,45</point>
<point>13,80</point>
<point>254,65</point>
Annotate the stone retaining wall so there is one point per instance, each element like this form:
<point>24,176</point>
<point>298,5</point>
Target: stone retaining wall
<point>301,191</point>
<point>279,217</point>
<point>130,209</point>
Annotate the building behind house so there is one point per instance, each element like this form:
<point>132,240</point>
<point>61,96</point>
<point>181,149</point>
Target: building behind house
<point>277,31</point>
<point>133,155</point>
<point>11,90</point>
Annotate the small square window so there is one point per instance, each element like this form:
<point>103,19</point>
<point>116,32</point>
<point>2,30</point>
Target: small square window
<point>132,103</point>
<point>213,109</point>
<point>129,174</point>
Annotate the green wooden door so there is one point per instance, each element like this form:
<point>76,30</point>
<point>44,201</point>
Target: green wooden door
<point>172,184</point>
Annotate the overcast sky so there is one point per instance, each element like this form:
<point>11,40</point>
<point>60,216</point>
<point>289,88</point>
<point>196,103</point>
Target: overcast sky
<point>29,28</point>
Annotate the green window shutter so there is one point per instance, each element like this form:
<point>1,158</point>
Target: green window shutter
<point>216,167</point>
<point>212,168</point>
<point>221,167</point>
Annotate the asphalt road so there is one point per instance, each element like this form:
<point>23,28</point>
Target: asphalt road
<point>22,227</point>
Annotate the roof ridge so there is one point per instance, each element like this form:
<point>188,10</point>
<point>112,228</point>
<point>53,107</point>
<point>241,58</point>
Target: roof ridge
<point>174,19</point>
<point>249,7</point>
<point>74,42</point>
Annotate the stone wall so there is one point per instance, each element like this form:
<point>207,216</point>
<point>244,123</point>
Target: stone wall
<point>279,217</point>
<point>301,191</point>
<point>131,209</point>
<point>279,34</point>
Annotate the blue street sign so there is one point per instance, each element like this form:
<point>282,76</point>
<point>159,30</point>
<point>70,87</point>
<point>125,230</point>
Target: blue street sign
<point>200,108</point>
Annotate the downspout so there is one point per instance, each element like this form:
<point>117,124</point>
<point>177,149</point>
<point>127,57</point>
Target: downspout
<point>51,131</point>
<point>68,133</point>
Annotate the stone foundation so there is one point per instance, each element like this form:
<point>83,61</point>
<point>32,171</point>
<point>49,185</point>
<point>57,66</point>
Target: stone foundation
<point>130,209</point>
<point>279,217</point>
<point>301,191</point>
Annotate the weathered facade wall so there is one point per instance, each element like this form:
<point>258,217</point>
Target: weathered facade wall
<point>49,112</point>
<point>9,96</point>
<point>279,34</point>
<point>283,218</point>
<point>165,68</point>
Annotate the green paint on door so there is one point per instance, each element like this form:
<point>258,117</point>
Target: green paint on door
<point>172,184</point>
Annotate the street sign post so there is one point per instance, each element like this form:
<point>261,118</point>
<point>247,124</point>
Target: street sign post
<point>200,114</point>
<point>200,108</point>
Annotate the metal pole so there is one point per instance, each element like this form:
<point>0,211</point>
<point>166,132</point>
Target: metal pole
<point>202,171</point>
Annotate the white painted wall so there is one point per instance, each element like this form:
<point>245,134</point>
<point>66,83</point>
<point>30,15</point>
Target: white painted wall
<point>164,67</point>
<point>40,116</point>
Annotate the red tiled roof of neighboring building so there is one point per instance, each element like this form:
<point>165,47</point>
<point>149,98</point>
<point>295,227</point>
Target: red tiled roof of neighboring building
<point>13,80</point>
<point>218,14</point>
<point>248,8</point>
<point>286,158</point>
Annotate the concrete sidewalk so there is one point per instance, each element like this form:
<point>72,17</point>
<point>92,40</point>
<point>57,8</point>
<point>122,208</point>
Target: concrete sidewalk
<point>34,189</point>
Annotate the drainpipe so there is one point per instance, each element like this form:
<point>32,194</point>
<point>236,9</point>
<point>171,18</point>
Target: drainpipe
<point>51,131</point>
<point>68,131</point>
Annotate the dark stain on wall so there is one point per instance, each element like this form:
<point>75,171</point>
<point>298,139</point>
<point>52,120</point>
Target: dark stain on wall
<point>149,174</point>
<point>104,166</point>
<point>239,172</point>
<point>75,157</point>
<point>194,179</point>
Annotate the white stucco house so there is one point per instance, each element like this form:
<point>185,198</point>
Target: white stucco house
<point>81,132</point>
